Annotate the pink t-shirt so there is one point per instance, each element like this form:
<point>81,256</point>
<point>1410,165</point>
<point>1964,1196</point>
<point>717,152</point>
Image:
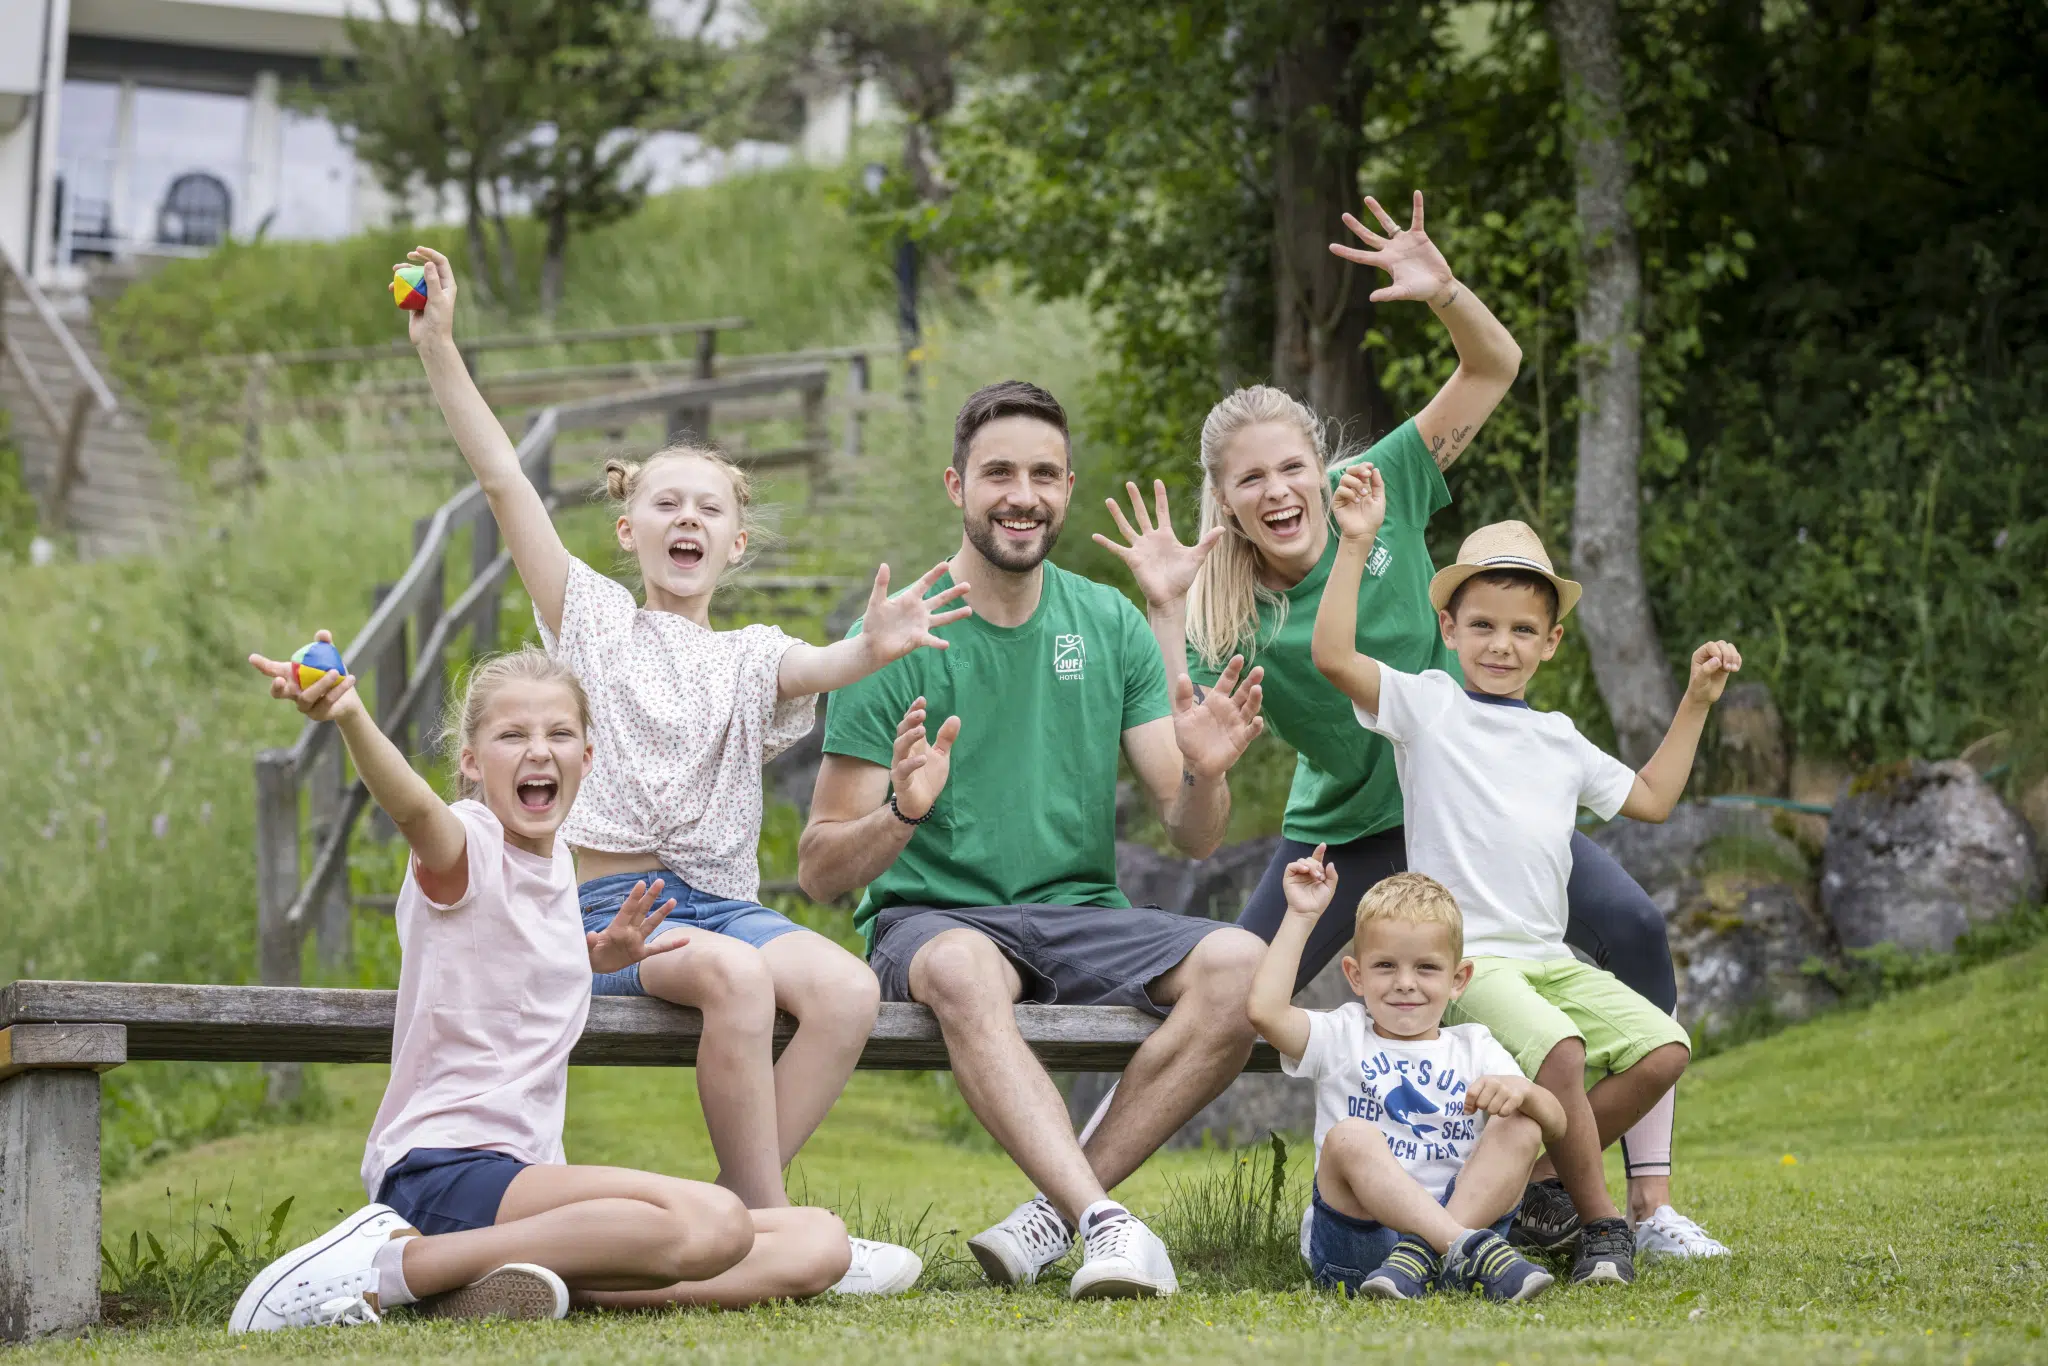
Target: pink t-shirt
<point>681,717</point>
<point>492,995</point>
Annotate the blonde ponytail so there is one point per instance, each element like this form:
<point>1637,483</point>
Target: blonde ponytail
<point>1224,600</point>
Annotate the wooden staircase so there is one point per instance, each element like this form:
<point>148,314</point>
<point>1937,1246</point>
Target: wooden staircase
<point>85,449</point>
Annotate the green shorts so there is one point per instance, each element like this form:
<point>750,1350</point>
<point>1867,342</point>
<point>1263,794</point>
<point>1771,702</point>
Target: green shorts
<point>1532,1007</point>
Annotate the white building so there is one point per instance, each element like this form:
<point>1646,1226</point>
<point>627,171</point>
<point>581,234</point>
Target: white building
<point>139,127</point>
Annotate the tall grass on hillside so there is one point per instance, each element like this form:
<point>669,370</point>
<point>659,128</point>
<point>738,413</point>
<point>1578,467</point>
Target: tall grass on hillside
<point>773,248</point>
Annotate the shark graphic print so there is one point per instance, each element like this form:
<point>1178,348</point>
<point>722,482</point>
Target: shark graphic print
<point>1411,1090</point>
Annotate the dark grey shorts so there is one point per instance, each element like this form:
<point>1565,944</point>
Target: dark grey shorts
<point>1067,955</point>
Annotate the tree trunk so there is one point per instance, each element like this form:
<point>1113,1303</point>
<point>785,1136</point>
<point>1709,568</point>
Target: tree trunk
<point>1244,309</point>
<point>1322,311</point>
<point>480,266</point>
<point>554,260</point>
<point>1628,658</point>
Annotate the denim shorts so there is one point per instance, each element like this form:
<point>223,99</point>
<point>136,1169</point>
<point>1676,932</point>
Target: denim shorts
<point>1343,1251</point>
<point>449,1190</point>
<point>746,921</point>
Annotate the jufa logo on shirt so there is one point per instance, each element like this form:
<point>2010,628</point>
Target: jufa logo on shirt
<point>1377,562</point>
<point>1068,655</point>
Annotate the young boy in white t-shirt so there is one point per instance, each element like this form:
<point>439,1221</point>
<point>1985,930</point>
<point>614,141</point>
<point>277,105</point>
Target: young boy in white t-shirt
<point>1425,1132</point>
<point>1491,791</point>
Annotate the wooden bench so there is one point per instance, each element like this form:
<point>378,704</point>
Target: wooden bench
<point>56,1037</point>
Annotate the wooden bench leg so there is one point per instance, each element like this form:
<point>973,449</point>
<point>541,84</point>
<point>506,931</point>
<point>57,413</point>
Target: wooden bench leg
<point>50,1176</point>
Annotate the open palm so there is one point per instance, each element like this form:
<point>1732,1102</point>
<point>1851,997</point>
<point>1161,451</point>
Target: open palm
<point>1415,268</point>
<point>1163,567</point>
<point>896,626</point>
<point>1214,726</point>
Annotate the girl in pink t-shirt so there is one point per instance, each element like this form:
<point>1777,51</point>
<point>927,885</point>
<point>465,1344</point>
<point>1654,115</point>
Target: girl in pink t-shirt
<point>682,719</point>
<point>476,1212</point>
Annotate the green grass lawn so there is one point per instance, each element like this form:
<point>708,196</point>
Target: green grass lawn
<point>1873,1171</point>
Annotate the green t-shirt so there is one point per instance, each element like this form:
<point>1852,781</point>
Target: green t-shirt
<point>1028,814</point>
<point>1345,786</point>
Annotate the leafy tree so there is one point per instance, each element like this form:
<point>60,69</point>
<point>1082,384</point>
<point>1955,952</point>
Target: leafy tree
<point>1843,256</point>
<point>436,100</point>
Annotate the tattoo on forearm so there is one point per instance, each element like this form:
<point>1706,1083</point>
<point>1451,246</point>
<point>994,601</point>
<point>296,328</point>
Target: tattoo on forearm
<point>1436,449</point>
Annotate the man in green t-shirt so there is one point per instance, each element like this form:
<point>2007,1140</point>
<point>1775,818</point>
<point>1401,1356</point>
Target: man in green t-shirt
<point>988,847</point>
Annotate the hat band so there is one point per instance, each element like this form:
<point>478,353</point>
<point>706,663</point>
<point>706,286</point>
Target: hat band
<point>1515,561</point>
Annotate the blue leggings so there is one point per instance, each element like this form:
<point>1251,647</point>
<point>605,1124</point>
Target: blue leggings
<point>1613,921</point>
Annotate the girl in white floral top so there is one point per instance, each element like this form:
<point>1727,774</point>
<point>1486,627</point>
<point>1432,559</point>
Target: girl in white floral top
<point>682,718</point>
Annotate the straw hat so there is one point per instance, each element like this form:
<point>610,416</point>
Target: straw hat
<point>1503,545</point>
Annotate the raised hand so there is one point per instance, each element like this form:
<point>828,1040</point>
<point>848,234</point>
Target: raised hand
<point>893,627</point>
<point>1360,503</point>
<point>1309,883</point>
<point>918,767</point>
<point>1415,268</point>
<point>332,695</point>
<point>1214,726</point>
<point>1163,567</point>
<point>435,322</point>
<point>1711,665</point>
<point>624,942</point>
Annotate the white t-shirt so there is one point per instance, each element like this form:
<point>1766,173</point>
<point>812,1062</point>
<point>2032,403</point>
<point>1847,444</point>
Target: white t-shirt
<point>1492,790</point>
<point>681,718</point>
<point>1414,1090</point>
<point>492,994</point>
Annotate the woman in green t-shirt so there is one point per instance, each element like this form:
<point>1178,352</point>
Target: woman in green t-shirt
<point>1251,583</point>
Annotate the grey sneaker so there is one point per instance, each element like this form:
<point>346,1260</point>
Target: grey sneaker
<point>1607,1253</point>
<point>1481,1260</point>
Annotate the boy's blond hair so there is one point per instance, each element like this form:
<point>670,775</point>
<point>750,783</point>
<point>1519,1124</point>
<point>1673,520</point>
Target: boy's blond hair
<point>1410,899</point>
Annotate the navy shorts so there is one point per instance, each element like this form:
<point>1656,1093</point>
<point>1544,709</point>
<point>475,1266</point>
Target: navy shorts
<point>449,1190</point>
<point>1343,1251</point>
<point>747,921</point>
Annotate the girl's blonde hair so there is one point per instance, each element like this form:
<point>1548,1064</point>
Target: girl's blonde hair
<point>529,664</point>
<point>1223,601</point>
<point>623,478</point>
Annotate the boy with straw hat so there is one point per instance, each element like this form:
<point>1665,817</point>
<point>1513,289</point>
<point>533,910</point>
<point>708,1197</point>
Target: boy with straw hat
<point>1492,791</point>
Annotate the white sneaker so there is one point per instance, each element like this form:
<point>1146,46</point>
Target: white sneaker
<point>516,1290</point>
<point>1667,1233</point>
<point>1122,1259</point>
<point>312,1284</point>
<point>1032,1238</point>
<point>879,1269</point>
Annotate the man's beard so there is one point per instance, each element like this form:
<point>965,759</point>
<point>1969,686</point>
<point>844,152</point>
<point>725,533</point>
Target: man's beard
<point>1004,555</point>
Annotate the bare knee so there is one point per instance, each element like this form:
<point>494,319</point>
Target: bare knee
<point>844,999</point>
<point>710,1232</point>
<point>960,973</point>
<point>1218,985</point>
<point>1664,1065</point>
<point>818,1253</point>
<point>736,989</point>
<point>1515,1133</point>
<point>1354,1140</point>
<point>1564,1067</point>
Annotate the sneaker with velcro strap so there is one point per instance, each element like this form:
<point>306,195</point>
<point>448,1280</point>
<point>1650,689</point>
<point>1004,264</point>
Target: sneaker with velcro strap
<point>1482,1261</point>
<point>1409,1273</point>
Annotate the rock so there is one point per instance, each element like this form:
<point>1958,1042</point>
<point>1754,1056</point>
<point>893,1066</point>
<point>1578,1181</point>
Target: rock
<point>1919,852</point>
<point>2034,806</point>
<point>1739,903</point>
<point>1215,887</point>
<point>1742,945</point>
<point>1748,753</point>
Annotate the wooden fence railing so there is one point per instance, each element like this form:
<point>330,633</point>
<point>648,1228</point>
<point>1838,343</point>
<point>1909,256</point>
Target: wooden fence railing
<point>67,395</point>
<point>401,655</point>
